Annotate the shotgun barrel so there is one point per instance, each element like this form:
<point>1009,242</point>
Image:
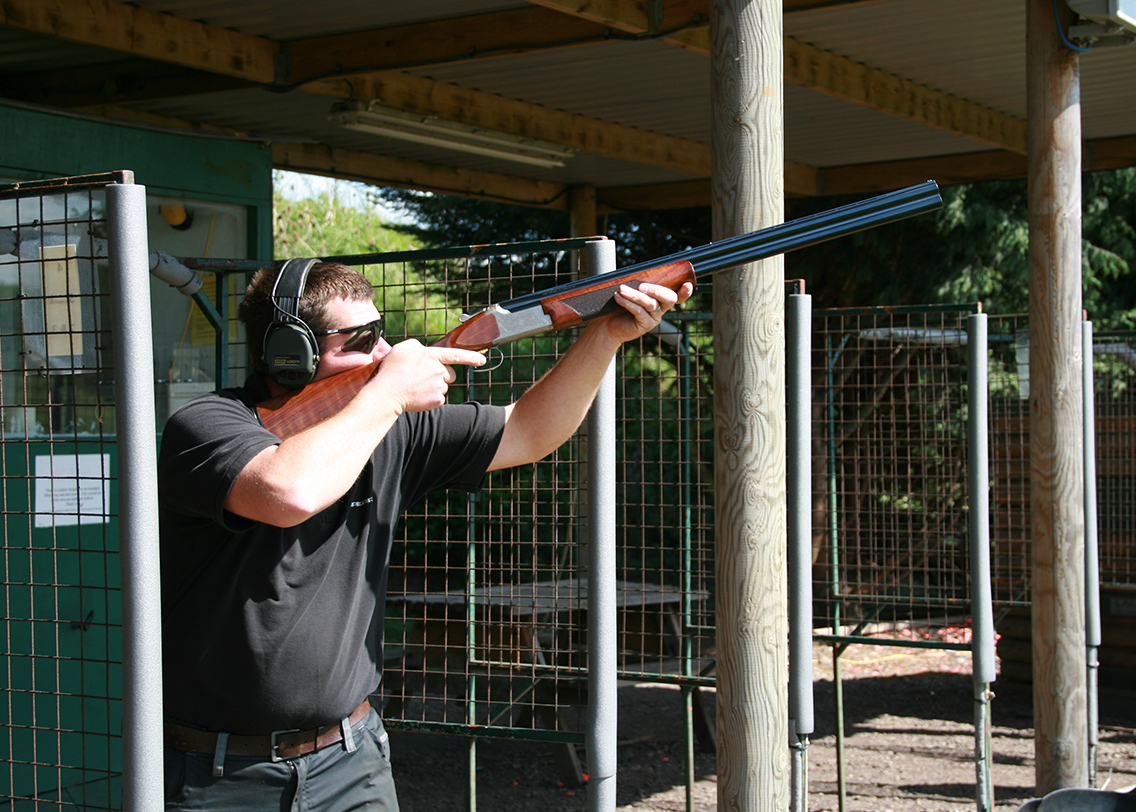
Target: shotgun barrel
<point>767,242</point>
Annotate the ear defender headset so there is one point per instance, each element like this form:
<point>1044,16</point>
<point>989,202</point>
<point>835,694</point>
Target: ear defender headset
<point>291,354</point>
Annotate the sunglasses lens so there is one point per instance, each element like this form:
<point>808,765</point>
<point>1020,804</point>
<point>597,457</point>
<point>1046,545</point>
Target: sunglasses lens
<point>365,338</point>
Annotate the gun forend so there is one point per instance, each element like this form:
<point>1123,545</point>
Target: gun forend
<point>569,308</point>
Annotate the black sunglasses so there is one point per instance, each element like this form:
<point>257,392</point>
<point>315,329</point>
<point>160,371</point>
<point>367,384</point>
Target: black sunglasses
<point>363,338</point>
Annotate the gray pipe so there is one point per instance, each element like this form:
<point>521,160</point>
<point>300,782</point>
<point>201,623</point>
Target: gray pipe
<point>173,273</point>
<point>142,780</point>
<point>1092,557</point>
<point>982,642</point>
<point>981,601</point>
<point>600,739</point>
<point>798,400</point>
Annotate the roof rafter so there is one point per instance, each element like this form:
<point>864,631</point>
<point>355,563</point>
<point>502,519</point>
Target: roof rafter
<point>147,34</point>
<point>826,72</point>
<point>403,47</point>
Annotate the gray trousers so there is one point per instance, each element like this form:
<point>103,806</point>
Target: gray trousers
<point>346,776</point>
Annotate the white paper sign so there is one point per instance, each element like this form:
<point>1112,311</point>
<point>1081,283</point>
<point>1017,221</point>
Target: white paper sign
<point>72,489</point>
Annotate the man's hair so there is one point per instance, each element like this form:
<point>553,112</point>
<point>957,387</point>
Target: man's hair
<point>326,281</point>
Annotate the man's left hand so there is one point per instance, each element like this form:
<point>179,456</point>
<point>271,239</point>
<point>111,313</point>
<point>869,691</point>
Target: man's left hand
<point>645,308</point>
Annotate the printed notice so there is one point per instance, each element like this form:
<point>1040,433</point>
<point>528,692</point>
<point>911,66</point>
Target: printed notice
<point>72,489</point>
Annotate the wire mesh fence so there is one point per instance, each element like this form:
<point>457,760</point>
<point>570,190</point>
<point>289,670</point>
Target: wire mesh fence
<point>486,628</point>
<point>1114,396</point>
<point>890,469</point>
<point>61,741</point>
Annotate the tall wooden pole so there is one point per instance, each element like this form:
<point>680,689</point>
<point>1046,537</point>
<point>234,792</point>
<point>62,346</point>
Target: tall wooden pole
<point>749,411</point>
<point>1057,522</point>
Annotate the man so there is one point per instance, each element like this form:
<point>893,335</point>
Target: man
<point>275,551</point>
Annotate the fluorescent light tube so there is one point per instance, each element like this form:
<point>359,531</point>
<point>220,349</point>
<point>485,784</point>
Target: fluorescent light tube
<point>433,131</point>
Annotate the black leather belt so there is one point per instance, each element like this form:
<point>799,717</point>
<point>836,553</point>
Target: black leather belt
<point>277,746</point>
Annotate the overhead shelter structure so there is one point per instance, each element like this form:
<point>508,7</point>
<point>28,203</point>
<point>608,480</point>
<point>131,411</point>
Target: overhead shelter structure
<point>579,105</point>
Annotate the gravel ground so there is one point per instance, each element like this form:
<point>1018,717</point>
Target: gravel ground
<point>909,747</point>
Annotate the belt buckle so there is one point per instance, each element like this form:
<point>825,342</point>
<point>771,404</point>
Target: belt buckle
<point>272,744</point>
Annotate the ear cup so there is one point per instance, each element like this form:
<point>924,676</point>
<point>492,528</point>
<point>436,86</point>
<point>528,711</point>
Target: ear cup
<point>291,353</point>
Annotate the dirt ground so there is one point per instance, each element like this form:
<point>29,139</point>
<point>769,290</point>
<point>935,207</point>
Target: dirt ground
<point>909,746</point>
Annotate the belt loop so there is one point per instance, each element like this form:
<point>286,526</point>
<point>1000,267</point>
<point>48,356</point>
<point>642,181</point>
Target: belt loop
<point>219,755</point>
<point>348,734</point>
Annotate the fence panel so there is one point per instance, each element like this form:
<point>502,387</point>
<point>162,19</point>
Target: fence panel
<point>62,674</point>
<point>890,432</point>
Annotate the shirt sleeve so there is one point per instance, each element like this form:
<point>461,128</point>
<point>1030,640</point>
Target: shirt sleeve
<point>459,443</point>
<point>204,447</point>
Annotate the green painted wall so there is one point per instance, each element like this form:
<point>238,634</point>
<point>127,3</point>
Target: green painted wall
<point>36,144</point>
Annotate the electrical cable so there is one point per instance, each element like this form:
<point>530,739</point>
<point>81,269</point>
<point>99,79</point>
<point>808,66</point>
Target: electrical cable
<point>1061,31</point>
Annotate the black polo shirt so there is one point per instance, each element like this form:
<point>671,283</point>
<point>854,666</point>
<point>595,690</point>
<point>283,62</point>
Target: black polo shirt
<point>268,628</point>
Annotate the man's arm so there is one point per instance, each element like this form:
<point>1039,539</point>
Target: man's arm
<point>286,484</point>
<point>553,408</point>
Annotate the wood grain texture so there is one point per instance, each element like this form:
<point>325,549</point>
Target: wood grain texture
<point>1056,405</point>
<point>747,193</point>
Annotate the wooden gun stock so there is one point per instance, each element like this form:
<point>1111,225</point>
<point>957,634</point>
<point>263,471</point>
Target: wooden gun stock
<point>299,409</point>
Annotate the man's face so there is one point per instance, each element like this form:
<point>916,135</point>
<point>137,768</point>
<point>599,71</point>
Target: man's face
<point>342,313</point>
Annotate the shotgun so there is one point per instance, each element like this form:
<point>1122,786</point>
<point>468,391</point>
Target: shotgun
<point>575,303</point>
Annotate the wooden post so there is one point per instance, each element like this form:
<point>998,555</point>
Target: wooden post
<point>749,411</point>
<point>582,211</point>
<point>1057,527</point>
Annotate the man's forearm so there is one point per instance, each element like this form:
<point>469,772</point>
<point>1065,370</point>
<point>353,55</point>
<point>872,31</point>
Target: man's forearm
<point>549,413</point>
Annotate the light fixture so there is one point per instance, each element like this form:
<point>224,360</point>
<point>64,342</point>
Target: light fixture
<point>428,129</point>
<point>1105,22</point>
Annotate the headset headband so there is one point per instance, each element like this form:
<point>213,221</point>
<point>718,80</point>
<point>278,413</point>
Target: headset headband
<point>288,289</point>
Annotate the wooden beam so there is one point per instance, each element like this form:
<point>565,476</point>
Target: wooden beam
<point>826,72</point>
<point>147,34</point>
<point>750,532</point>
<point>1056,461</point>
<point>461,39</point>
<point>421,95</point>
<point>115,83</point>
<point>381,170</point>
<point>686,194</point>
<point>861,84</point>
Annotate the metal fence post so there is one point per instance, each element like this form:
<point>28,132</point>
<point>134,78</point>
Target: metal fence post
<point>143,786</point>
<point>798,378</point>
<point>1092,556</point>
<point>601,737</point>
<point>982,610</point>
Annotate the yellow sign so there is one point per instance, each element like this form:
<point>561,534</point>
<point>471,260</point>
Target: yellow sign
<point>202,332</point>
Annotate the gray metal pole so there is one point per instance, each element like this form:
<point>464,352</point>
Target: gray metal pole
<point>142,781</point>
<point>981,601</point>
<point>601,737</point>
<point>798,400</point>
<point>1092,559</point>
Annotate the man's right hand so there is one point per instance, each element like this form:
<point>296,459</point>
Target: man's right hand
<point>416,377</point>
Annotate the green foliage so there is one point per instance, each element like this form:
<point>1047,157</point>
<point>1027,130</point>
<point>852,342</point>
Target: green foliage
<point>327,224</point>
<point>440,221</point>
<point>323,224</point>
<point>984,231</point>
